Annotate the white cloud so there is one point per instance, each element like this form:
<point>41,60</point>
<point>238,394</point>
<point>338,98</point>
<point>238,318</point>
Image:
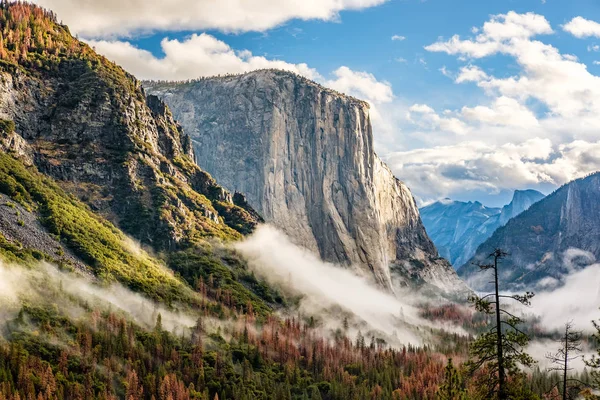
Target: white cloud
<point>576,301</point>
<point>495,35</point>
<point>504,111</point>
<point>559,81</point>
<point>324,286</point>
<point>537,128</point>
<point>471,73</point>
<point>593,47</point>
<point>93,18</point>
<point>362,85</point>
<point>426,117</point>
<point>398,38</point>
<point>196,56</point>
<point>582,28</point>
<point>477,166</point>
<point>445,72</point>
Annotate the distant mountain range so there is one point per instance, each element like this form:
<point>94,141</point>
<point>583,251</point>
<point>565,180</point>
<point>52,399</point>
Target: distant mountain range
<point>554,237</point>
<point>458,228</point>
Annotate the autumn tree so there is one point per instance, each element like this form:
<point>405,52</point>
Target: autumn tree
<point>570,350</point>
<point>501,349</point>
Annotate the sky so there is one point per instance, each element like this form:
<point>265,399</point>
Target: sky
<point>469,99</point>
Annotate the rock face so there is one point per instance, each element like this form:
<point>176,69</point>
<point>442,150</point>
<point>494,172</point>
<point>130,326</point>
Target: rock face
<point>87,123</point>
<point>304,157</point>
<point>542,240</point>
<point>457,228</point>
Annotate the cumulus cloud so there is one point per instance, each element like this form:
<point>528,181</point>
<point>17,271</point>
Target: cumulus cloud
<point>503,111</point>
<point>557,80</point>
<point>536,128</point>
<point>477,166</point>
<point>398,37</point>
<point>93,18</point>
<point>196,56</point>
<point>425,116</point>
<point>362,85</point>
<point>582,28</point>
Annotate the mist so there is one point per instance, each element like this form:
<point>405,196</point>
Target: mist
<point>325,287</point>
<point>577,300</point>
<point>45,283</point>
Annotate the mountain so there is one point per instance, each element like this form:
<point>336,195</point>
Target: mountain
<point>87,162</point>
<point>303,155</point>
<point>458,228</point>
<point>542,240</point>
<point>85,122</point>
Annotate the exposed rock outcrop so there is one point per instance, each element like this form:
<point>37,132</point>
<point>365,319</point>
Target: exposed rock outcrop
<point>303,155</point>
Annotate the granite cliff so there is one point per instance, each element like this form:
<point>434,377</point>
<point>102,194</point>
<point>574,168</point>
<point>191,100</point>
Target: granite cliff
<point>303,155</point>
<point>85,122</point>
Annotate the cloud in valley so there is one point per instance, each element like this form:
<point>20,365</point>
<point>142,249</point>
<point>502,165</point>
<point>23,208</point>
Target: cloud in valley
<point>578,300</point>
<point>36,284</point>
<point>324,286</point>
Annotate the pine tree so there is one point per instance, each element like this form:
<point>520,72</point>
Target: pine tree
<point>594,362</point>
<point>500,349</point>
<point>452,388</point>
<point>570,350</point>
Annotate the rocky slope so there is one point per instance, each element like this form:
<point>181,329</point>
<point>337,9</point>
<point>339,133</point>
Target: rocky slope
<point>539,239</point>
<point>304,157</point>
<point>457,228</point>
<point>87,123</point>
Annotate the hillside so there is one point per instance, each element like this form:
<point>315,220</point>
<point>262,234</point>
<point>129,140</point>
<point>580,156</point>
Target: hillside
<point>87,123</point>
<point>538,239</point>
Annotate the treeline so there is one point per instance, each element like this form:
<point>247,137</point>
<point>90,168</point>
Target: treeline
<point>109,357</point>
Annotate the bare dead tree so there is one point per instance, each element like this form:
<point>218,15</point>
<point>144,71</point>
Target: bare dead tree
<point>570,350</point>
<point>501,349</point>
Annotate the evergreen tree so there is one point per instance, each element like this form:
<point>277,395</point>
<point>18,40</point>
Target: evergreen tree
<point>594,362</point>
<point>501,349</point>
<point>452,388</point>
<point>570,350</point>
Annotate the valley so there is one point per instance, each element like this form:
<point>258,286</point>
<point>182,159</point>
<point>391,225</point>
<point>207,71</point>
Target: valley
<point>238,237</point>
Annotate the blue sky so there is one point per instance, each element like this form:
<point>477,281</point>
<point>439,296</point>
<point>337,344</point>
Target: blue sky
<point>509,105</point>
<point>362,41</point>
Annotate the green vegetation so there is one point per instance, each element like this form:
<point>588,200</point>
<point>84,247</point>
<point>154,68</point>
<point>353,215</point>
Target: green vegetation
<point>15,253</point>
<point>102,246</point>
<point>6,126</point>
<point>225,279</point>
